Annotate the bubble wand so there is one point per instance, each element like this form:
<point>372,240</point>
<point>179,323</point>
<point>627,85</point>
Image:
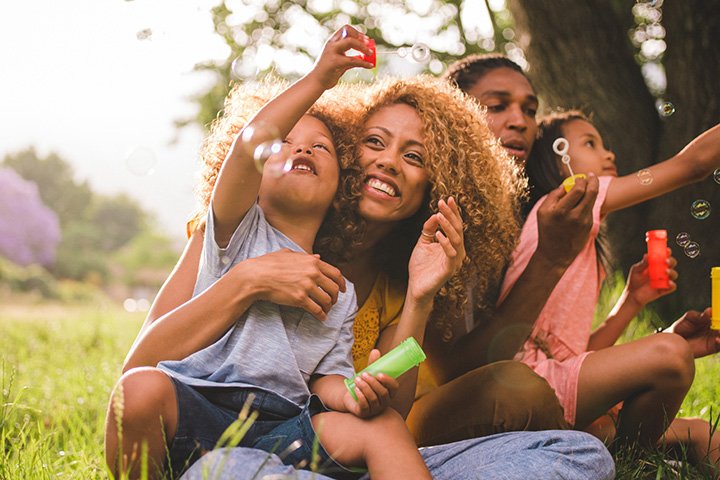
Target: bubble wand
<point>419,52</point>
<point>561,146</point>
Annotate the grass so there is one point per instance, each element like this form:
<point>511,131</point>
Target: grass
<point>59,363</point>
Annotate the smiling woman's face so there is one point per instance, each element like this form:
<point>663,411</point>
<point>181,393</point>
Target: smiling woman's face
<point>392,156</point>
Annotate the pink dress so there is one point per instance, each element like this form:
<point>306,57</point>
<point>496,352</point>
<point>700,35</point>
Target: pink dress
<point>558,343</point>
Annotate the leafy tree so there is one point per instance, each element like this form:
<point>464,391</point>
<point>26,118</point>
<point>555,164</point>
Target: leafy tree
<point>92,224</point>
<point>146,260</point>
<point>54,177</point>
<point>79,256</point>
<point>29,231</point>
<point>285,37</point>
<point>615,58</point>
<point>118,219</point>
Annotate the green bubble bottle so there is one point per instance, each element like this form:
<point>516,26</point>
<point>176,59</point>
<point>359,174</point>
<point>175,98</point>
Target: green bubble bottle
<point>394,363</point>
<point>715,318</point>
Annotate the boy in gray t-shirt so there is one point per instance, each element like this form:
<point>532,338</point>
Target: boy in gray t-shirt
<point>287,364</point>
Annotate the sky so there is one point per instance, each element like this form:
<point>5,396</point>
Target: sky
<point>76,80</point>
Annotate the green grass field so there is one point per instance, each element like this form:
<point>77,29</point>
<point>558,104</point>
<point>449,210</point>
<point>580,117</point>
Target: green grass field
<point>58,364</point>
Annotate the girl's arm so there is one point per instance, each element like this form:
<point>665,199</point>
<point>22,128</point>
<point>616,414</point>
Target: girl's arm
<point>694,163</point>
<point>284,277</point>
<point>636,294</point>
<point>239,181</point>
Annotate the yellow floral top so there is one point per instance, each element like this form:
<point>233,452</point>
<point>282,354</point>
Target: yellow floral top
<point>381,310</point>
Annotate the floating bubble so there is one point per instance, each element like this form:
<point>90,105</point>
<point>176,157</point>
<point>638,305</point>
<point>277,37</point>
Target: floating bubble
<point>682,239</point>
<point>225,260</point>
<point>420,52</point>
<point>645,176</point>
<point>700,209</point>
<point>716,176</point>
<point>692,249</point>
<point>140,161</point>
<point>263,143</point>
<point>236,68</point>
<point>666,109</point>
<point>144,34</point>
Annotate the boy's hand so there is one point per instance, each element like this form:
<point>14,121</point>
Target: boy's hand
<point>373,393</point>
<point>695,328</point>
<point>332,62</point>
<point>638,284</point>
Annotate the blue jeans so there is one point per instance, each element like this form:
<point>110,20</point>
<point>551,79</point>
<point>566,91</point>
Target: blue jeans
<point>549,454</point>
<point>204,413</point>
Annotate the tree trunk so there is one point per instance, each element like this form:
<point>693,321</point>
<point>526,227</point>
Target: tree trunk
<point>692,65</point>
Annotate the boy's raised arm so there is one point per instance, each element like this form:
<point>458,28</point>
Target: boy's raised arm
<point>239,181</point>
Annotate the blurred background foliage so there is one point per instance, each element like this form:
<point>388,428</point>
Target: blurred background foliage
<point>616,59</point>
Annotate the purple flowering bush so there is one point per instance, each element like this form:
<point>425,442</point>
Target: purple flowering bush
<point>29,230</point>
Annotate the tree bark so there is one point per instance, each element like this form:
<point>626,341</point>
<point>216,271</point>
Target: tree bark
<point>692,65</point>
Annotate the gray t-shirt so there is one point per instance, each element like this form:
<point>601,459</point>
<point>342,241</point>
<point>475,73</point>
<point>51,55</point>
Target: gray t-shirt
<point>272,347</point>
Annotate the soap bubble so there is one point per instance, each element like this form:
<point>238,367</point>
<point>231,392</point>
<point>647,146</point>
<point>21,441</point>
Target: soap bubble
<point>140,161</point>
<point>144,34</point>
<point>716,176</point>
<point>700,209</point>
<point>402,52</point>
<point>262,141</point>
<point>645,176</point>
<point>692,249</point>
<point>682,239</point>
<point>666,109</point>
<point>236,68</point>
<point>420,52</point>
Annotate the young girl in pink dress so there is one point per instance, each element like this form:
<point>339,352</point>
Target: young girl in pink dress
<point>590,374</point>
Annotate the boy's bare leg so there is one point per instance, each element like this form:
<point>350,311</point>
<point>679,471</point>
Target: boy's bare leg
<point>144,398</point>
<point>382,444</point>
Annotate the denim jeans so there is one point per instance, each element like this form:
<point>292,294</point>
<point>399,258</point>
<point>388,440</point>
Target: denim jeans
<point>549,454</point>
<point>204,413</point>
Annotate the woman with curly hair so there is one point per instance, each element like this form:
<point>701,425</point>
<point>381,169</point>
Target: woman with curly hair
<point>422,150</point>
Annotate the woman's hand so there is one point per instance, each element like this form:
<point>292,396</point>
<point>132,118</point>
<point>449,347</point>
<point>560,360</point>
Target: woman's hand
<point>439,252</point>
<point>374,394</point>
<point>295,279</point>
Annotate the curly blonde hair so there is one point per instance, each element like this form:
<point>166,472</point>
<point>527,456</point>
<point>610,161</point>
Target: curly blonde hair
<point>463,160</point>
<point>341,228</point>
